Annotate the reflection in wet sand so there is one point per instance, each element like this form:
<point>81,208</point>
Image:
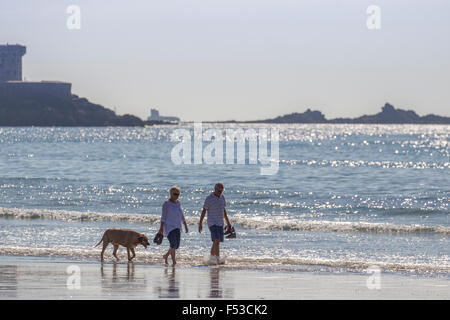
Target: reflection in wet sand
<point>8,281</point>
<point>47,278</point>
<point>119,280</point>
<point>172,290</point>
<point>215,290</point>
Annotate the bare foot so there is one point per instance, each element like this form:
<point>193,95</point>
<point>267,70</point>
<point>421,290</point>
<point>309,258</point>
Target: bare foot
<point>165,259</point>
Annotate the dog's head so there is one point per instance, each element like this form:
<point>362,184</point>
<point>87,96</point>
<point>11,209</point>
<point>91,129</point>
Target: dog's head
<point>144,240</point>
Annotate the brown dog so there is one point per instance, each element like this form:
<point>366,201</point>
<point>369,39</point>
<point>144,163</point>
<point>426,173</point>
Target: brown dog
<point>124,237</point>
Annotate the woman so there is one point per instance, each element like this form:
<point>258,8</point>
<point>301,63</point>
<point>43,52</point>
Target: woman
<point>171,219</point>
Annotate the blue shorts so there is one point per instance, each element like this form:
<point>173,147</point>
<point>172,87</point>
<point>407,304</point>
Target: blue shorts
<point>216,232</point>
<point>174,237</point>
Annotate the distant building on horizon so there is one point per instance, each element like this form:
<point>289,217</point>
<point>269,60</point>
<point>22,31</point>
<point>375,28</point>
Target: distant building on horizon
<point>11,82</point>
<point>154,116</point>
<point>11,62</point>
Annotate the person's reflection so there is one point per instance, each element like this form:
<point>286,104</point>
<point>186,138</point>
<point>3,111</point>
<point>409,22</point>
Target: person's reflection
<point>215,290</point>
<point>173,290</point>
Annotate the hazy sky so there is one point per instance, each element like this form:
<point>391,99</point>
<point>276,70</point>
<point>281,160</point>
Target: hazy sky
<point>239,59</point>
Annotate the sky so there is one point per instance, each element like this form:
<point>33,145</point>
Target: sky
<point>239,59</point>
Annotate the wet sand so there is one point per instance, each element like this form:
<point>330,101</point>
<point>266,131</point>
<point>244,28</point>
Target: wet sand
<point>54,278</point>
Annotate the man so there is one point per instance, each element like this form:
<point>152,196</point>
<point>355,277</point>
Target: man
<point>215,206</point>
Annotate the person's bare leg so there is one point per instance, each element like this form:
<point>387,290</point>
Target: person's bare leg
<point>215,250</point>
<point>166,256</point>
<point>172,254</point>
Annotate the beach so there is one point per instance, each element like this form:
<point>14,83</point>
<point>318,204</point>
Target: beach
<point>55,278</point>
<point>346,200</point>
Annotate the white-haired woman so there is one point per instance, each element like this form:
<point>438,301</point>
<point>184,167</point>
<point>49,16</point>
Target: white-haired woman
<point>171,219</point>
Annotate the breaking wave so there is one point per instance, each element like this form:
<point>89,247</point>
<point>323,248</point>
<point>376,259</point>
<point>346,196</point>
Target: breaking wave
<point>261,223</point>
<point>337,226</point>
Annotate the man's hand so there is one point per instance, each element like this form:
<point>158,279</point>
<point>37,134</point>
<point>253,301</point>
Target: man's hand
<point>225,215</point>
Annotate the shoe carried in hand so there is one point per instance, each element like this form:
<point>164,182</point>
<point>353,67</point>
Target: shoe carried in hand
<point>230,233</point>
<point>158,238</point>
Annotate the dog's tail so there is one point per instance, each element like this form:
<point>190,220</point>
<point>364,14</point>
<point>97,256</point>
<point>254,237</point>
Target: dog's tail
<point>101,240</point>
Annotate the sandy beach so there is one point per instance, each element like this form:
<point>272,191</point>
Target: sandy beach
<point>57,278</point>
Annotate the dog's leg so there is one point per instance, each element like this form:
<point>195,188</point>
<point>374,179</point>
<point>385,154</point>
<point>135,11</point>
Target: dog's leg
<point>105,244</point>
<point>128,253</point>
<point>116,246</point>
<point>134,254</point>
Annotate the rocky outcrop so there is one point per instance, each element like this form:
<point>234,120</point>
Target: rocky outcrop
<point>306,117</point>
<point>387,115</point>
<point>48,110</point>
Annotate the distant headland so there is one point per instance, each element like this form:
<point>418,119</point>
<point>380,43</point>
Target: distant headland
<point>388,115</point>
<point>51,103</point>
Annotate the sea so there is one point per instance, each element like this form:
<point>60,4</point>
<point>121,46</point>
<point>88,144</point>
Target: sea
<point>344,197</point>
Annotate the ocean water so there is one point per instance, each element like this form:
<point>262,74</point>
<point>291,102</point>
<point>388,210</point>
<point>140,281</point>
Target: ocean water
<point>344,198</point>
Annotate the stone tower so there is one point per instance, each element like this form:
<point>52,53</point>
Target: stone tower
<point>11,62</point>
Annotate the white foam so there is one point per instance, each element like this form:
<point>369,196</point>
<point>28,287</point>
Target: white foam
<point>152,257</point>
<point>65,215</point>
<point>350,264</point>
<point>261,223</point>
<point>335,226</point>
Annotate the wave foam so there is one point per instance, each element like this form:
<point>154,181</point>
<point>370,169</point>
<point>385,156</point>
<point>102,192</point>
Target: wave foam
<point>337,226</point>
<point>231,261</point>
<point>261,223</point>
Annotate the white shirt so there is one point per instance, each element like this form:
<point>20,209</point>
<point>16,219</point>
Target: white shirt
<point>215,207</point>
<point>172,216</point>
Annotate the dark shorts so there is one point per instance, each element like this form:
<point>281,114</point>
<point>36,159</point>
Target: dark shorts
<point>216,232</point>
<point>174,237</point>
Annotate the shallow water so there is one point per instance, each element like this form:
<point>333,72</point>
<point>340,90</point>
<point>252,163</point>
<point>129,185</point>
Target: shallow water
<point>345,196</point>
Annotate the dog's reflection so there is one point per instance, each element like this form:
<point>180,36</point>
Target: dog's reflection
<point>129,276</point>
<point>118,277</point>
